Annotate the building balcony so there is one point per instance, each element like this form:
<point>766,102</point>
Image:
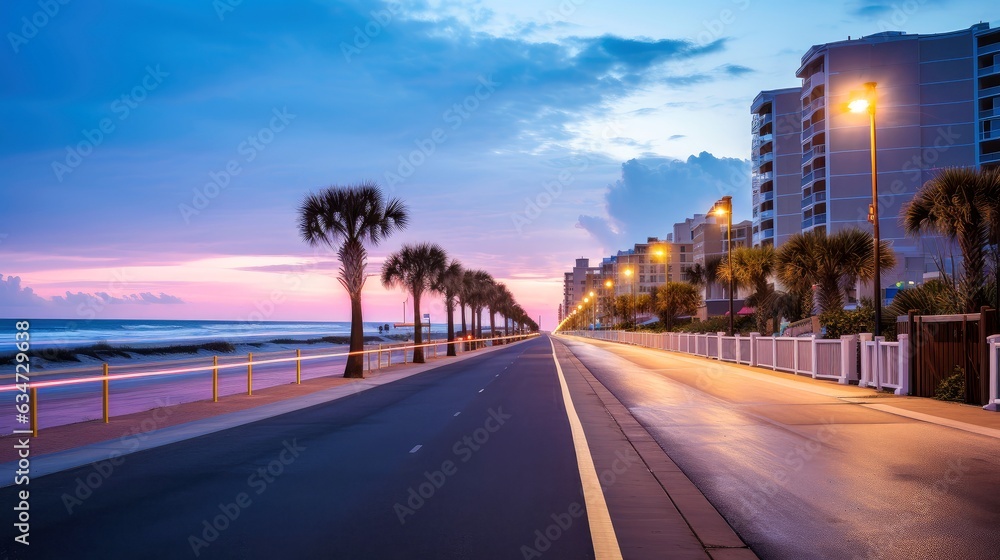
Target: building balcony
<point>814,175</point>
<point>767,215</point>
<point>759,121</point>
<point>813,152</point>
<point>810,131</point>
<point>817,220</point>
<point>995,47</point>
<point>989,135</point>
<point>765,177</point>
<point>989,158</point>
<point>989,92</point>
<point>808,84</point>
<point>814,199</point>
<point>766,196</point>
<point>989,113</point>
<point>767,234</point>
<point>764,158</point>
<point>761,139</point>
<point>813,106</point>
<point>989,70</point>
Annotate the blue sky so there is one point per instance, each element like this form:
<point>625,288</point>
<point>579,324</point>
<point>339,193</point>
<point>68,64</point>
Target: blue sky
<point>153,154</point>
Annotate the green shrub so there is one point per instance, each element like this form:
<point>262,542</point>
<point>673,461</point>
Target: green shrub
<point>742,325</point>
<point>952,388</point>
<point>841,322</point>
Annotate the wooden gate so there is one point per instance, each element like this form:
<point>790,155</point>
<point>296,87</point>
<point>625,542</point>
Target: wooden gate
<point>938,343</point>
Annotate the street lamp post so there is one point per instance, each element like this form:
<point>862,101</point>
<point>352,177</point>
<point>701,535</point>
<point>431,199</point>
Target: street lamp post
<point>860,105</point>
<point>629,273</point>
<point>725,206</point>
<point>607,293</point>
<point>594,305</point>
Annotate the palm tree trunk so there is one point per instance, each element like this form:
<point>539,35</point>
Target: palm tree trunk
<point>493,327</point>
<point>450,304</point>
<point>472,327</point>
<point>418,330</point>
<point>479,327</point>
<point>356,361</point>
<point>465,332</point>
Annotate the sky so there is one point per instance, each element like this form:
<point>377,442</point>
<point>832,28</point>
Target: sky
<point>154,154</point>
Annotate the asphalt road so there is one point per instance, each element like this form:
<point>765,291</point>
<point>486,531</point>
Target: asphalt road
<point>463,461</point>
<point>805,474</point>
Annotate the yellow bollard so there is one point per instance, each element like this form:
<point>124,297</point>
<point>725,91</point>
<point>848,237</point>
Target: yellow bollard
<point>298,366</point>
<point>250,373</point>
<point>215,379</point>
<point>107,411</point>
<point>34,411</point>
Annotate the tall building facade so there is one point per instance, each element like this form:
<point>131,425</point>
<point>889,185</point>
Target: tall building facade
<point>776,165</point>
<point>577,283</point>
<point>937,101</point>
<point>988,96</point>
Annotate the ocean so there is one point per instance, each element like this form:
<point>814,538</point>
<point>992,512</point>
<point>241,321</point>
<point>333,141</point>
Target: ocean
<point>64,333</point>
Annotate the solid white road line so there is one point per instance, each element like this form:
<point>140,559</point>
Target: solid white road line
<point>457,413</point>
<point>416,448</point>
<point>602,532</point>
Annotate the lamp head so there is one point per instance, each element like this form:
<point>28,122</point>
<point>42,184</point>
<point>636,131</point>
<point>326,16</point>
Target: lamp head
<point>863,102</point>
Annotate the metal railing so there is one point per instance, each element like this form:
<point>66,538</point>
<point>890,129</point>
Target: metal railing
<point>106,378</point>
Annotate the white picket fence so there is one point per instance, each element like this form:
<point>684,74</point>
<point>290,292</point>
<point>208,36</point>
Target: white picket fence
<point>994,347</point>
<point>883,366</point>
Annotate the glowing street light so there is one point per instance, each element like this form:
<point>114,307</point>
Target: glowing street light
<point>724,207</point>
<point>861,104</point>
<point>629,273</point>
<point>608,284</point>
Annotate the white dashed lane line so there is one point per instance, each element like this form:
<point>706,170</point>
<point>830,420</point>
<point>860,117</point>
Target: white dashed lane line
<point>415,448</point>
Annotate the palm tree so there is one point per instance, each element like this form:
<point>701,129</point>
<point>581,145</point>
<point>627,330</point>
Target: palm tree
<point>695,275</point>
<point>449,283</point>
<point>832,263</point>
<point>476,290</point>
<point>497,297</point>
<point>416,268</point>
<point>751,268</point>
<point>484,283</point>
<point>675,299</point>
<point>504,303</point>
<point>991,200</point>
<point>956,204</point>
<point>933,298</point>
<point>465,295</point>
<point>347,218</point>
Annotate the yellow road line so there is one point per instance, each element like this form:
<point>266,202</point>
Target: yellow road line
<point>601,530</point>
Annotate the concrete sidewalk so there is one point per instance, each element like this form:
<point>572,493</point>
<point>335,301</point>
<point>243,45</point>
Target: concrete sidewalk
<point>73,445</point>
<point>969,418</point>
<point>656,510</point>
